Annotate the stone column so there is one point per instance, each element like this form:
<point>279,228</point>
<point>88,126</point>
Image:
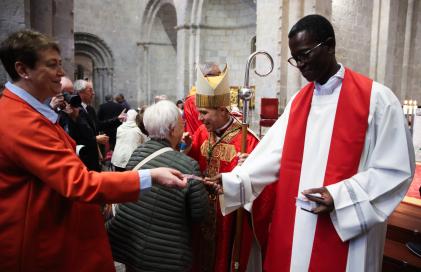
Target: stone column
<point>267,29</point>
<point>406,50</point>
<point>293,74</point>
<point>383,36</point>
<point>13,16</point>
<point>63,32</point>
<point>182,62</point>
<point>374,39</point>
<point>42,16</point>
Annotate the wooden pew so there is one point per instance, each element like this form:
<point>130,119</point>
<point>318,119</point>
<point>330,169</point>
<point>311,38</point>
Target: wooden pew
<point>404,225</point>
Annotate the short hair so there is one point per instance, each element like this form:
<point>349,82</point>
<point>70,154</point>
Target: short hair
<point>120,95</point>
<point>318,26</point>
<point>66,85</point>
<point>24,46</point>
<point>109,97</point>
<point>160,118</point>
<point>80,85</point>
<point>160,98</point>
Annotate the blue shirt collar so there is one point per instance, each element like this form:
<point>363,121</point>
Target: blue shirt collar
<point>45,110</point>
<point>333,82</point>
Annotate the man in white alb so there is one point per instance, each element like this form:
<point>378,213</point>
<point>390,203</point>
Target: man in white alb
<point>342,159</point>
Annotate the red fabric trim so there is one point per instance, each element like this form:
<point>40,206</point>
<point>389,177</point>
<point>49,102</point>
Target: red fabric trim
<point>344,156</point>
<point>280,241</point>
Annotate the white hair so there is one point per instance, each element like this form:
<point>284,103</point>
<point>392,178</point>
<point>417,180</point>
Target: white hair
<point>80,85</point>
<point>160,118</point>
<point>131,115</point>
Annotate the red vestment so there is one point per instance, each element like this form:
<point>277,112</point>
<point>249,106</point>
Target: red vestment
<point>345,150</point>
<point>46,222</point>
<point>191,115</point>
<point>213,252</point>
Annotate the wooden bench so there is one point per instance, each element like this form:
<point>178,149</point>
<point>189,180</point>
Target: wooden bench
<point>404,225</point>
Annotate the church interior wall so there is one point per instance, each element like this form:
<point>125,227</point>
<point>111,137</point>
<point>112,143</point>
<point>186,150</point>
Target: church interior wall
<point>397,43</point>
<point>12,18</point>
<point>268,39</point>
<point>162,58</point>
<point>351,20</point>
<point>118,25</point>
<point>376,38</point>
<point>227,28</point>
<point>414,74</point>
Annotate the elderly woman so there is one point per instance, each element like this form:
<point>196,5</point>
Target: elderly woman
<point>154,233</point>
<point>50,218</point>
<point>129,137</point>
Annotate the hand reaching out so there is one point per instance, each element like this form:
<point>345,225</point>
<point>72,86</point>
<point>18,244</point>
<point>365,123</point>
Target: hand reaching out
<point>123,116</point>
<point>168,177</point>
<point>102,139</point>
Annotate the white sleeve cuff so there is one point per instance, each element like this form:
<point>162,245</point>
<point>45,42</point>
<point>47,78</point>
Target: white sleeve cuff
<point>78,149</point>
<point>237,191</point>
<point>145,180</point>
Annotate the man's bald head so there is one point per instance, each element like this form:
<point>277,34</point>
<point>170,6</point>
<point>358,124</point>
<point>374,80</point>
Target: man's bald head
<point>66,85</point>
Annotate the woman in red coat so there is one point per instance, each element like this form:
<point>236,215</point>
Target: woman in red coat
<point>50,219</point>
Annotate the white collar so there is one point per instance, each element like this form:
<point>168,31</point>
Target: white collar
<point>218,130</point>
<point>330,85</point>
<point>45,110</point>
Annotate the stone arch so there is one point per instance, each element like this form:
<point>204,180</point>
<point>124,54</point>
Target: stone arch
<point>96,49</point>
<point>159,44</point>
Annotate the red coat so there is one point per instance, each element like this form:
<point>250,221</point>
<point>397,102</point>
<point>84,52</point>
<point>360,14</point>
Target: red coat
<point>215,245</point>
<point>46,223</point>
<point>191,115</point>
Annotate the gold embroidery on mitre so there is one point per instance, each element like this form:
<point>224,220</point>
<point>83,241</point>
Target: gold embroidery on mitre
<point>212,91</point>
<point>212,101</point>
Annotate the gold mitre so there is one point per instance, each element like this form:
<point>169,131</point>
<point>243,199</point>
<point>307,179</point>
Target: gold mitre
<point>212,91</point>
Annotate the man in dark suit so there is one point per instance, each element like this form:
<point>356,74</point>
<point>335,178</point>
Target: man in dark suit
<point>84,130</point>
<point>122,101</point>
<point>110,115</point>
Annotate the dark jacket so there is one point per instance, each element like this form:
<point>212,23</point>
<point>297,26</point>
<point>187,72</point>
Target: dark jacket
<point>83,131</point>
<point>108,119</point>
<point>154,234</point>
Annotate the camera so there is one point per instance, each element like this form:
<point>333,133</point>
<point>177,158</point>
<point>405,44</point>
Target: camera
<point>73,99</point>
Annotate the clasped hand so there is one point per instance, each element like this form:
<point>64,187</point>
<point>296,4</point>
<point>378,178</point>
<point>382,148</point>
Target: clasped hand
<point>325,201</point>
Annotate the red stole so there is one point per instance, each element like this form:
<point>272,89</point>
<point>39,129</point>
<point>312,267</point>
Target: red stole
<point>348,136</point>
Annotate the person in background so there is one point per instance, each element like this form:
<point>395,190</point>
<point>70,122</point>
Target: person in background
<point>110,117</point>
<point>159,223</point>
<point>191,115</point>
<point>85,130</point>
<point>129,137</point>
<point>119,98</point>
<point>180,106</point>
<point>139,119</point>
<point>216,146</point>
<point>57,102</point>
<point>50,218</point>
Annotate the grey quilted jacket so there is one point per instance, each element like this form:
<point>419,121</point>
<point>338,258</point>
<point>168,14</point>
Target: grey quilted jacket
<point>154,234</point>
